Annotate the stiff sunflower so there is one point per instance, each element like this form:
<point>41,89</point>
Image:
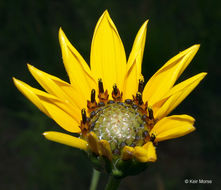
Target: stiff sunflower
<point>117,117</point>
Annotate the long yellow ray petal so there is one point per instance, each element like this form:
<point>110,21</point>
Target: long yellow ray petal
<point>53,107</point>
<point>167,75</point>
<point>48,99</point>
<point>133,69</point>
<point>58,88</point>
<point>176,95</point>
<point>62,116</point>
<point>21,86</point>
<point>108,60</point>
<point>66,139</point>
<point>79,72</point>
<point>172,127</point>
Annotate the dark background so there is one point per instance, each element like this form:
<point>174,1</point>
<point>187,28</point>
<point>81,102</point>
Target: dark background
<point>29,33</point>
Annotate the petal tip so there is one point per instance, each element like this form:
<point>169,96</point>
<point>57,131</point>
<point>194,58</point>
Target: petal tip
<point>106,16</point>
<point>61,35</point>
<point>106,12</point>
<point>14,79</point>
<point>30,67</point>
<point>16,82</point>
<point>146,22</point>
<point>204,74</point>
<point>201,76</point>
<point>45,133</point>
<point>144,26</point>
<point>195,47</point>
<point>34,71</point>
<point>193,128</point>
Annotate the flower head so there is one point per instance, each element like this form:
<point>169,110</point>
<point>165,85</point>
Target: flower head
<point>119,119</point>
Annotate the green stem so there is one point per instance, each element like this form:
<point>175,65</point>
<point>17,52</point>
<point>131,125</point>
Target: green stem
<point>112,183</point>
<point>94,180</point>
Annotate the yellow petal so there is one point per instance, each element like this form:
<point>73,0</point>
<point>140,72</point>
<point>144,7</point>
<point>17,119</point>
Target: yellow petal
<point>127,153</point>
<point>147,153</point>
<point>167,75</point>
<point>140,154</point>
<point>79,73</point>
<point>93,142</point>
<point>176,95</point>
<point>66,139</point>
<point>172,127</point>
<point>62,115</point>
<point>133,69</point>
<point>108,60</point>
<point>53,107</point>
<point>151,152</point>
<point>58,88</point>
<point>105,149</point>
<point>23,88</point>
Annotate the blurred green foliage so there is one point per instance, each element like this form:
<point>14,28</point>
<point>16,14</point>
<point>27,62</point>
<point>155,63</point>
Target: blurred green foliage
<point>29,34</point>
